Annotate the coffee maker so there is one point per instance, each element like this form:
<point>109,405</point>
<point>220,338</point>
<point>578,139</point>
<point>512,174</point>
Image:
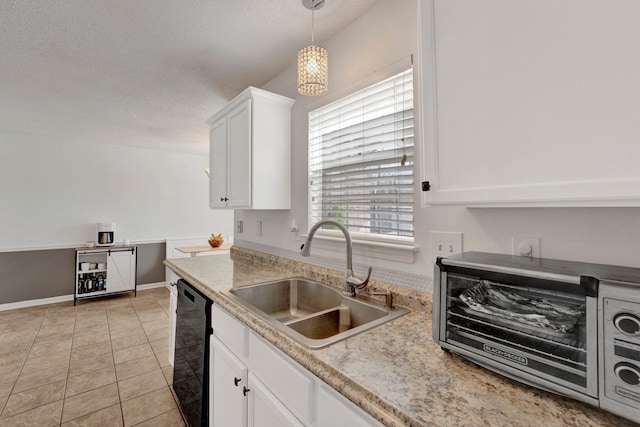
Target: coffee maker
<point>106,234</point>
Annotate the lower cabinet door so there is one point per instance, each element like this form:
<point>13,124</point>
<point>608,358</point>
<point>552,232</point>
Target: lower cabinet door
<point>229,388</point>
<point>265,410</point>
<point>121,271</point>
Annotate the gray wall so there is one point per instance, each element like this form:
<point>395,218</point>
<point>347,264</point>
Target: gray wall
<point>29,275</point>
<point>150,267</point>
<point>36,274</point>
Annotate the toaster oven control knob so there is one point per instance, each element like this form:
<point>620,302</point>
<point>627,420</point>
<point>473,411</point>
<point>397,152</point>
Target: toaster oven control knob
<point>628,373</point>
<point>627,323</point>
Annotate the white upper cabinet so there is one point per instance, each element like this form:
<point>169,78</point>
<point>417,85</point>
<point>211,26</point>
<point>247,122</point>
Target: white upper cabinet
<point>250,152</point>
<point>530,103</point>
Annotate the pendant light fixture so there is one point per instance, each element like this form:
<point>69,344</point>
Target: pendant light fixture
<point>313,75</point>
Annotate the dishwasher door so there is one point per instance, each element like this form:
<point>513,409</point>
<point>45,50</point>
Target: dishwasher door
<point>191,365</point>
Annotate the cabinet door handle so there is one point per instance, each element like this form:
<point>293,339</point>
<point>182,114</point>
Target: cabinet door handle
<point>245,391</point>
<point>236,381</point>
<point>223,199</point>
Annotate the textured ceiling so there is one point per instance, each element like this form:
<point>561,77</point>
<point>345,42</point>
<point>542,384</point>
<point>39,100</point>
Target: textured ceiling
<point>145,72</point>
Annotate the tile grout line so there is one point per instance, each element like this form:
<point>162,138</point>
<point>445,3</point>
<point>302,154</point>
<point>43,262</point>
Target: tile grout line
<point>20,373</point>
<point>154,355</point>
<point>66,378</point>
<point>169,386</point>
<point>115,373</point>
<point>64,399</point>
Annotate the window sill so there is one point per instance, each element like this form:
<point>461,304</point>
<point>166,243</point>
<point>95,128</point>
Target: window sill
<point>400,252</point>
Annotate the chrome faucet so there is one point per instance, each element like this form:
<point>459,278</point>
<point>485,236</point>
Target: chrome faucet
<point>351,283</point>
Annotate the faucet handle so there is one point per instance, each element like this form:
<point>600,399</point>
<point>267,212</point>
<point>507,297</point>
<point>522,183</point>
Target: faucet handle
<point>359,283</point>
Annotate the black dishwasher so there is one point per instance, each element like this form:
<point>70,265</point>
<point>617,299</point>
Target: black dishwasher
<point>191,362</point>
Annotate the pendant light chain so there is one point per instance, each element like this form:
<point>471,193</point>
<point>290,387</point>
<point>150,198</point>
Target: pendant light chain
<point>313,13</point>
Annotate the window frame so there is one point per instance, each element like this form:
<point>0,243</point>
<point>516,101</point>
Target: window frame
<point>367,241</point>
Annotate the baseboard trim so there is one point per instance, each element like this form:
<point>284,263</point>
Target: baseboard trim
<point>35,302</point>
<point>153,286</point>
<point>64,298</point>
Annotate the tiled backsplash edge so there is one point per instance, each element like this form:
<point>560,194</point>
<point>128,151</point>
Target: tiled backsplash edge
<point>325,270</point>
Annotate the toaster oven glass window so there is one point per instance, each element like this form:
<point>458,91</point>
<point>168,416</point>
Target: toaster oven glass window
<point>536,323</point>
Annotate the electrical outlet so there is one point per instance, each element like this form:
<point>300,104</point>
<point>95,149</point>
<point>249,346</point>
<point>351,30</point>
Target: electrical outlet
<point>525,246</point>
<point>239,226</point>
<point>445,243</point>
<point>295,231</point>
<point>259,227</point>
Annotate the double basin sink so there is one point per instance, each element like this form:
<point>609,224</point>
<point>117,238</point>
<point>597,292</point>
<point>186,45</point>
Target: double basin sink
<point>313,314</point>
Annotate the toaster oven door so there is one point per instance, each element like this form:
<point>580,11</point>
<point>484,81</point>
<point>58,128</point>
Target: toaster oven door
<point>536,328</point>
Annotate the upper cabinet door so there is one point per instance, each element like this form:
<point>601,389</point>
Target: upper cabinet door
<point>239,156</point>
<point>218,164</point>
<point>530,103</point>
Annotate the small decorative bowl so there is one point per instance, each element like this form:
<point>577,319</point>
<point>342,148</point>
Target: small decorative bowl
<point>216,241</point>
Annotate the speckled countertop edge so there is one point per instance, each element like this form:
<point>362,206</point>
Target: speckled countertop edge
<point>395,372</point>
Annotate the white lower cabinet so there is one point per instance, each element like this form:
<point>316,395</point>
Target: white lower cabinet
<point>265,410</point>
<point>257,385</point>
<point>229,387</point>
<point>240,399</point>
<point>173,306</point>
<point>293,385</point>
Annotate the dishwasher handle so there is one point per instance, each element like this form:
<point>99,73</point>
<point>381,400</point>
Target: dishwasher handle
<point>190,296</point>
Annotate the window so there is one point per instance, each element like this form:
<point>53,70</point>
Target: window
<point>361,161</point>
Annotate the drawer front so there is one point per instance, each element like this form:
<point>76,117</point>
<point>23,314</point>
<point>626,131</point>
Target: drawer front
<point>230,331</point>
<point>333,409</point>
<point>292,385</point>
<point>265,410</point>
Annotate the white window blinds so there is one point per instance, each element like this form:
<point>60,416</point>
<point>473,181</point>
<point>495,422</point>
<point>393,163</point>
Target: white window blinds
<point>361,160</point>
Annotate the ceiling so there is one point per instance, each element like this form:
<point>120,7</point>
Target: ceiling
<point>146,72</point>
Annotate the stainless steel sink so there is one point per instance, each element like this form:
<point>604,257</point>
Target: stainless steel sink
<point>312,313</point>
<point>289,299</point>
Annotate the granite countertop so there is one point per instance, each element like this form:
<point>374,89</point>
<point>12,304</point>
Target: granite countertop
<point>395,371</point>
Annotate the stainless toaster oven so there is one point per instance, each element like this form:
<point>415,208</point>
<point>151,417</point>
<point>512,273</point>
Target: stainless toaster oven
<point>567,327</point>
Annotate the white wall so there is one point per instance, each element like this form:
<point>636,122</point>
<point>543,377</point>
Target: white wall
<point>387,32</point>
<point>54,191</point>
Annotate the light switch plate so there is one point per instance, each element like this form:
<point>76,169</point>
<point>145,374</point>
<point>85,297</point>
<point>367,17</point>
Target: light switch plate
<point>445,243</point>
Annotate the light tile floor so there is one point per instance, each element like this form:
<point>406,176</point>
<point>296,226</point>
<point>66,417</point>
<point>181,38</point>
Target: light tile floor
<point>102,363</point>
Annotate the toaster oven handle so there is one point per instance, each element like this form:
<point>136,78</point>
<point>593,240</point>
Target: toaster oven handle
<point>514,271</point>
<point>588,283</point>
<point>444,263</point>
